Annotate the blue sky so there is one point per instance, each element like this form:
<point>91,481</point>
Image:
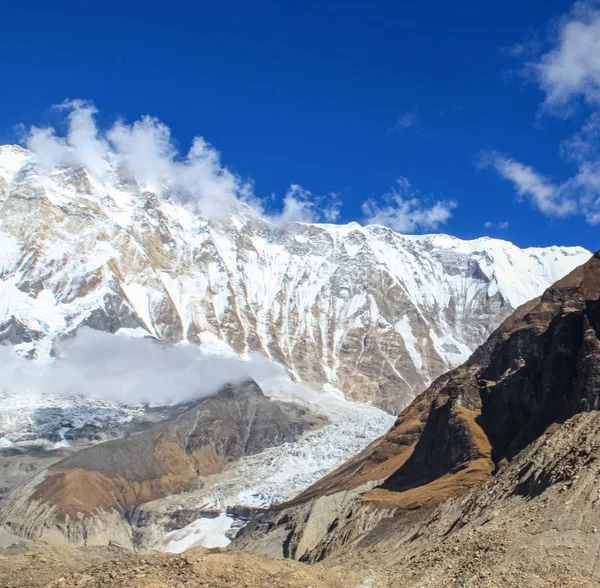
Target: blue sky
<point>403,106</point>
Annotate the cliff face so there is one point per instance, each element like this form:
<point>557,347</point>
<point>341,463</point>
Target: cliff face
<point>96,487</point>
<point>530,390</point>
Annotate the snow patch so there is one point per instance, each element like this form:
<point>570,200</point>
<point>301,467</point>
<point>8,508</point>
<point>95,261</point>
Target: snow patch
<point>403,327</point>
<point>203,532</point>
<point>138,298</point>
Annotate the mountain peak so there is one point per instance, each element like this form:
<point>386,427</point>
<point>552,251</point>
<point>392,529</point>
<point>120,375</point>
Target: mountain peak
<point>377,314</point>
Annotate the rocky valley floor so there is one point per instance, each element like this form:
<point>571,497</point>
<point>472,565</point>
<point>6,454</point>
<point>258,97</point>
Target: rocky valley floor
<point>491,557</point>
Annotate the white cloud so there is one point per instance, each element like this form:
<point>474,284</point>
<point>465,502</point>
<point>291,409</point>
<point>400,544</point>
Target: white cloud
<point>144,153</point>
<point>571,70</point>
<point>81,146</point>
<point>83,136</point>
<point>405,212</point>
<point>569,76</point>
<point>129,371</point>
<point>50,150</point>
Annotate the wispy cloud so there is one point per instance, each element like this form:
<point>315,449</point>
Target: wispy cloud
<point>301,205</point>
<point>544,195</point>
<point>526,49</point>
<point>569,76</point>
<point>144,152</point>
<point>403,210</point>
<point>502,225</point>
<point>407,120</point>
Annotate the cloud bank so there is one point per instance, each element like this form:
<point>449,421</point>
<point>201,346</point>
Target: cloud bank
<point>129,370</point>
<point>568,74</point>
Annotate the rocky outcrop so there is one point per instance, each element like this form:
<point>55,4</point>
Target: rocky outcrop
<point>84,498</point>
<point>497,440</point>
<point>377,314</point>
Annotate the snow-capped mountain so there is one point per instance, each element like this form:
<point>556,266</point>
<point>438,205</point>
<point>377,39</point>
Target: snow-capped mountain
<point>372,312</point>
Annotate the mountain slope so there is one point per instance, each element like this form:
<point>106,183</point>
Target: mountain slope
<point>487,478</point>
<point>377,314</point>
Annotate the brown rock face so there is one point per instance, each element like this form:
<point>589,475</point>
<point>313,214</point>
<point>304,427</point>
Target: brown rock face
<point>541,368</point>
